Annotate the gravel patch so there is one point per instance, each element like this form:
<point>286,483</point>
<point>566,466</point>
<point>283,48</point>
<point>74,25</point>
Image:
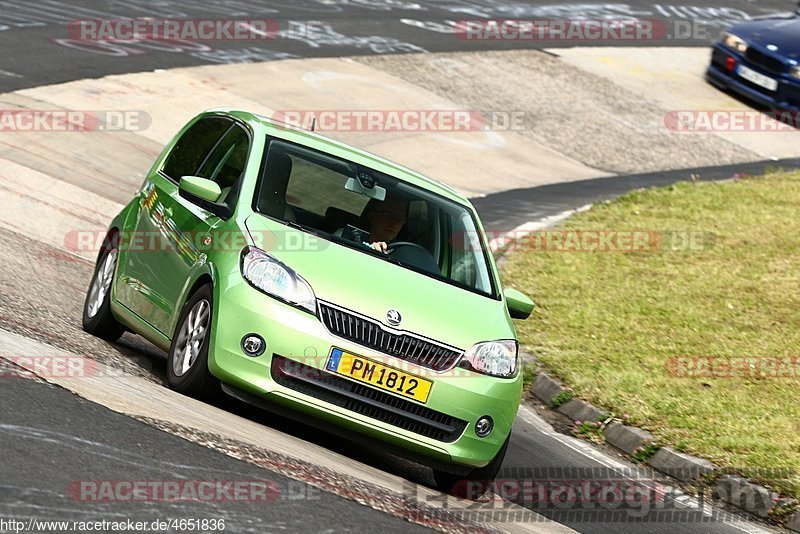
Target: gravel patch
<point>41,294</point>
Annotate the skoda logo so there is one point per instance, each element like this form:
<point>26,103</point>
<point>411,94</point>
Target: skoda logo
<point>393,317</point>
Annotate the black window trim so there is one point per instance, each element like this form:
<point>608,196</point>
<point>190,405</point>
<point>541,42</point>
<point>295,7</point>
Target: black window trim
<point>202,117</point>
<point>233,123</point>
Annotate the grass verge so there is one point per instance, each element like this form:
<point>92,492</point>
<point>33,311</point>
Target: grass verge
<point>687,335</point>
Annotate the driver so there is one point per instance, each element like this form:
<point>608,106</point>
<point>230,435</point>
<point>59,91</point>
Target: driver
<point>385,220</point>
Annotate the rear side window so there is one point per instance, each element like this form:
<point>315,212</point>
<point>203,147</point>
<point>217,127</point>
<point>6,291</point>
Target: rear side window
<point>225,165</point>
<point>194,145</point>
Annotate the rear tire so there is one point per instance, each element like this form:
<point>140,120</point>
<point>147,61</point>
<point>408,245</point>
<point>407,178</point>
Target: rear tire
<point>475,483</point>
<point>97,317</point>
<point>187,366</point>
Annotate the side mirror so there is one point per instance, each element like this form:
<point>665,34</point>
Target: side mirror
<point>204,193</point>
<point>518,304</point>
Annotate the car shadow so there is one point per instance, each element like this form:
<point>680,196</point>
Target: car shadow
<point>764,110</point>
<point>151,360</point>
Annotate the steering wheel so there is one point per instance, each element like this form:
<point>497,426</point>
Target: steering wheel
<point>391,247</point>
<point>414,254</point>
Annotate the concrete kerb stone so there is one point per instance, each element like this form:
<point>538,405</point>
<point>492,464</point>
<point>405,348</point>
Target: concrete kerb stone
<point>744,494</point>
<point>794,523</point>
<point>736,491</point>
<point>627,438</point>
<point>546,389</point>
<point>579,410</point>
<point>678,465</point>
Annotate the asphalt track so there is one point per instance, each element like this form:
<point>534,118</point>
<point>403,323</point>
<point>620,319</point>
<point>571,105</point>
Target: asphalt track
<point>37,48</point>
<point>504,211</point>
<point>59,440</point>
<point>40,421</point>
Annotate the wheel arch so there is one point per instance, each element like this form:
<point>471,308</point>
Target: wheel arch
<point>203,279</point>
<point>200,278</point>
<point>112,236</point>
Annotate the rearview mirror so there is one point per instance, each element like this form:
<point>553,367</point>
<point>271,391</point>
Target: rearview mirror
<point>518,304</point>
<point>377,192</point>
<point>204,193</point>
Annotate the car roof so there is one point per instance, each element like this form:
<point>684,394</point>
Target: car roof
<point>323,143</point>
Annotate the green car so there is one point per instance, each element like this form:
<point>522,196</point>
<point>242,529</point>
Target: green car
<point>311,278</point>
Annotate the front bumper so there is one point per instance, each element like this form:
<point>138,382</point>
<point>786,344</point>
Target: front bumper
<point>785,98</point>
<point>301,339</point>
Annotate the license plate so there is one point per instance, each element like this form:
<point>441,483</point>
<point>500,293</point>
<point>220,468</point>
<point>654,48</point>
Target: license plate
<point>379,375</point>
<point>757,78</point>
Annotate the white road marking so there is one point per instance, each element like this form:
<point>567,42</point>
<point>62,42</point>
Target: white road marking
<point>504,239</point>
<point>585,449</point>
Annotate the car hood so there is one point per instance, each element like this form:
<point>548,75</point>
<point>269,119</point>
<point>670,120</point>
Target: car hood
<point>371,286</point>
<point>782,31</point>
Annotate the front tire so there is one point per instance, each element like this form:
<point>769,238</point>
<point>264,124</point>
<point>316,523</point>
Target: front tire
<point>97,317</point>
<point>187,367</point>
<point>475,483</point>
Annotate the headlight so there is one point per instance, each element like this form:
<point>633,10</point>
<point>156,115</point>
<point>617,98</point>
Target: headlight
<point>274,278</point>
<point>735,42</point>
<point>496,358</point>
<point>794,71</point>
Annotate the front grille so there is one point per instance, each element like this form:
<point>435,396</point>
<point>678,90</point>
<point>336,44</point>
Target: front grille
<point>765,61</point>
<point>366,400</point>
<point>371,334</point>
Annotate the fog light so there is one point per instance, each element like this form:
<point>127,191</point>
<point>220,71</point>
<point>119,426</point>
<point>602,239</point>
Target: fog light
<point>484,426</point>
<point>253,345</point>
<point>730,64</point>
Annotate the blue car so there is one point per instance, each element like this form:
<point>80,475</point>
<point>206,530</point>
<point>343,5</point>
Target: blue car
<point>760,60</point>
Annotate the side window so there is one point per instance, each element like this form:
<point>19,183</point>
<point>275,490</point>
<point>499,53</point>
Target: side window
<point>225,165</point>
<point>194,145</point>
<point>466,254</point>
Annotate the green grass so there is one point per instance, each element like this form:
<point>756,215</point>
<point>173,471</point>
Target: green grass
<point>561,398</point>
<point>608,323</point>
<point>528,376</point>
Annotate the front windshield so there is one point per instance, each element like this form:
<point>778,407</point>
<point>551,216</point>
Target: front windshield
<point>361,208</point>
